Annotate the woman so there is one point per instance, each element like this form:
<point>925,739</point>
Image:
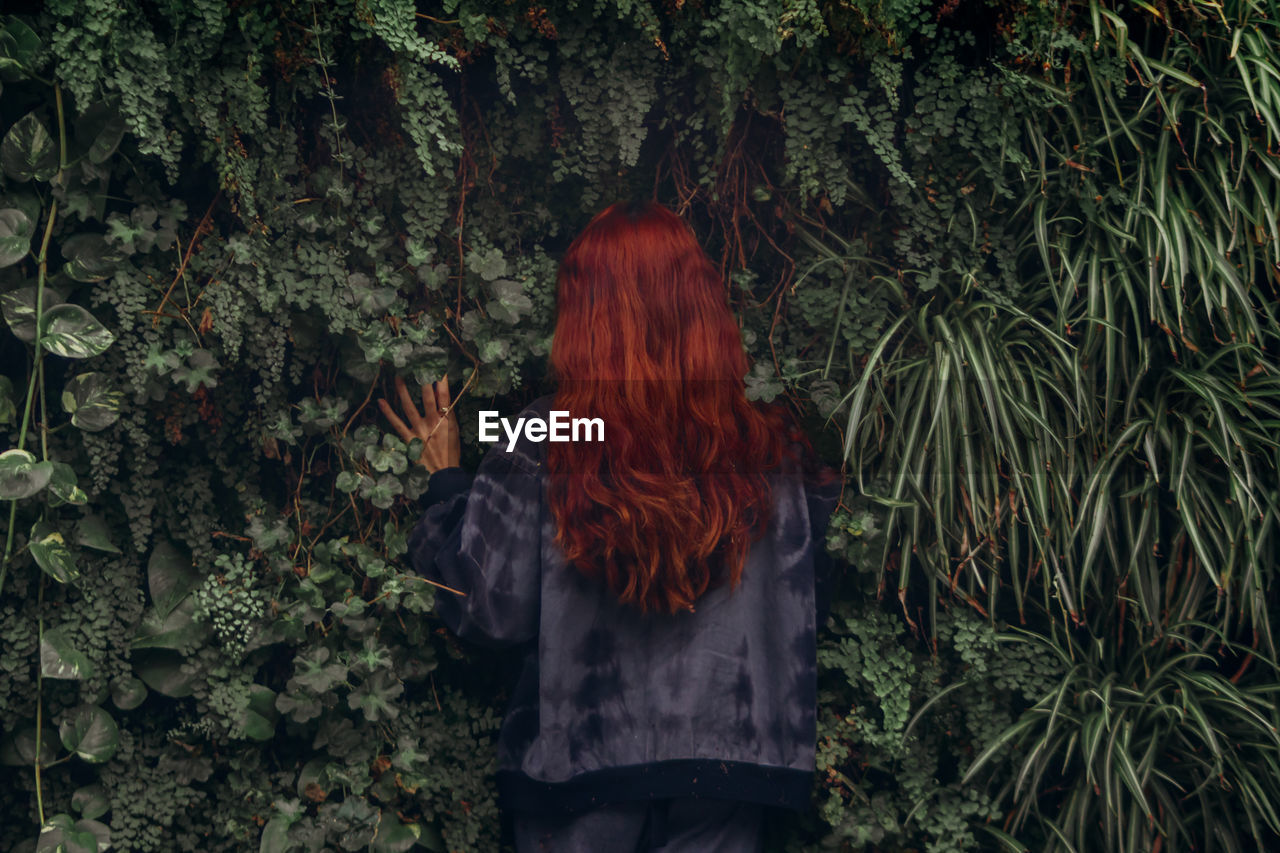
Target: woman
<point>661,582</point>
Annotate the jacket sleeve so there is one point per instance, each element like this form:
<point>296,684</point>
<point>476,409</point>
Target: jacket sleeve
<point>481,536</point>
<point>822,496</point>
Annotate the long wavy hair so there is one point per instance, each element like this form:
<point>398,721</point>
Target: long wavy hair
<point>666,506</point>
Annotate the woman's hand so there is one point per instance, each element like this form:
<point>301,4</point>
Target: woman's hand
<point>437,426</point>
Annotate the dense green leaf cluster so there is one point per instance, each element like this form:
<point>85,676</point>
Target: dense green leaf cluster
<point>1015,263</point>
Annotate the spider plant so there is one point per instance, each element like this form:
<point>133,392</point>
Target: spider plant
<point>1146,746</point>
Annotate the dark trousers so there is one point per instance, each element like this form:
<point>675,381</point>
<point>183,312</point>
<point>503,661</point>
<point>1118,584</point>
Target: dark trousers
<point>672,826</point>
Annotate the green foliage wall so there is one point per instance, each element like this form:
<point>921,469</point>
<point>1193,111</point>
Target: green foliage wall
<point>1015,262</point>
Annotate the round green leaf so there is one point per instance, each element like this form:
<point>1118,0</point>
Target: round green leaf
<point>91,733</point>
<point>394,836</point>
<point>72,332</point>
<point>28,151</point>
<point>91,801</point>
<point>258,722</point>
<point>100,831</point>
<point>90,257</point>
<point>91,402</point>
<point>50,550</point>
<point>127,692</point>
<point>21,476</point>
<point>275,836</point>
<point>314,772</point>
<point>256,727</point>
<point>15,236</point>
<point>60,659</point>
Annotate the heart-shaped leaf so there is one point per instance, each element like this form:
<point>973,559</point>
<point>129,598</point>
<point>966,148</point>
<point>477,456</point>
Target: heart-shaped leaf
<point>64,835</point>
<point>275,836</point>
<point>15,236</point>
<point>19,749</point>
<point>91,532</point>
<point>72,332</point>
<point>59,659</point>
<point>91,733</point>
<point>51,552</point>
<point>61,835</point>
<point>63,484</point>
<point>21,475</point>
<point>28,151</point>
<point>100,831</point>
<point>19,309</point>
<point>91,402</point>
<point>98,131</point>
<point>127,693</point>
<point>19,45</point>
<point>258,722</point>
<point>91,801</point>
<point>394,836</point>
<point>256,727</point>
<point>170,576</point>
<point>175,630</point>
<point>90,257</point>
<point>161,669</point>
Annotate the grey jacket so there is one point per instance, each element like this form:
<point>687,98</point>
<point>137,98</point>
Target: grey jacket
<point>614,705</point>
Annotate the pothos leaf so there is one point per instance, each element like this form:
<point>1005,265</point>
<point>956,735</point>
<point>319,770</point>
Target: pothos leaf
<point>98,131</point>
<point>90,257</point>
<point>15,236</point>
<point>62,835</point>
<point>127,693</point>
<point>175,630</point>
<point>170,577</point>
<point>60,659</point>
<point>19,749</point>
<point>72,332</point>
<point>19,45</point>
<point>91,532</point>
<point>91,801</point>
<point>64,486</point>
<point>91,402</point>
<point>51,552</point>
<point>21,476</point>
<point>91,733</point>
<point>19,309</point>
<point>28,151</point>
<point>161,669</point>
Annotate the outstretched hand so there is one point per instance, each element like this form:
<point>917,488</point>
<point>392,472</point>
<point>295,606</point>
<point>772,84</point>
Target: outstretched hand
<point>437,425</point>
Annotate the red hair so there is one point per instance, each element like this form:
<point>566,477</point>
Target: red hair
<point>666,506</point>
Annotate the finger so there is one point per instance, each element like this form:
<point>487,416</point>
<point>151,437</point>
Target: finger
<point>429,401</point>
<point>406,402</point>
<point>397,424</point>
<point>442,394</point>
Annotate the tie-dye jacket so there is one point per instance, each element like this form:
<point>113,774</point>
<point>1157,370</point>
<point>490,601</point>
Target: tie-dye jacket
<point>614,705</point>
